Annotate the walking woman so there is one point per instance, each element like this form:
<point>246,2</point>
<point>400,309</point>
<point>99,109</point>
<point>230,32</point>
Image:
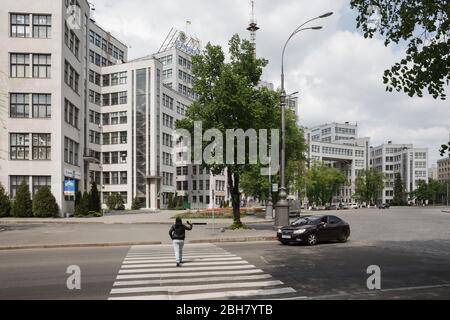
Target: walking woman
<point>178,233</point>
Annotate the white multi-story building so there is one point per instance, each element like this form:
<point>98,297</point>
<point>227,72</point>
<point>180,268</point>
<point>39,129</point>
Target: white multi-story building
<point>73,108</point>
<point>410,162</point>
<point>339,146</point>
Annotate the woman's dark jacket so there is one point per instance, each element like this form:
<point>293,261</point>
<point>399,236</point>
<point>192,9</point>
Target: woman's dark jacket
<point>178,231</point>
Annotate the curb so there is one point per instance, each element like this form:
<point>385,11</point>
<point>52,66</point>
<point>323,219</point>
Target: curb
<point>122,223</point>
<point>125,244</point>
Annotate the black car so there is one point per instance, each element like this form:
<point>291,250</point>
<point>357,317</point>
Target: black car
<point>314,229</point>
<point>384,206</point>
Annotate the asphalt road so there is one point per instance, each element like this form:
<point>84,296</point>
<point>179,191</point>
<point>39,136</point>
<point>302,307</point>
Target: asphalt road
<point>412,249</point>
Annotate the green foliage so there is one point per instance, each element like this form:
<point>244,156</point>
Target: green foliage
<point>368,186</point>
<point>44,203</point>
<point>5,203</point>
<point>228,97</point>
<point>78,196</point>
<point>323,182</point>
<point>137,204</point>
<point>434,192</point>
<point>82,208</point>
<point>22,206</point>
<point>94,199</point>
<point>399,191</point>
<point>425,27</point>
<point>115,202</point>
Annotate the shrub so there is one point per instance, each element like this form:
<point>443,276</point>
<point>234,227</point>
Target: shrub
<point>138,203</point>
<point>94,199</point>
<point>82,208</point>
<point>44,203</point>
<point>5,203</point>
<point>115,202</point>
<point>23,206</point>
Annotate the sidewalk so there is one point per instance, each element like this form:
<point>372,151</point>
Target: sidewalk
<point>162,217</point>
<point>28,236</point>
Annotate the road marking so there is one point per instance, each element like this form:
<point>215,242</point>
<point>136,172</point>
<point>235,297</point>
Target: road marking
<point>186,274</point>
<point>186,259</point>
<point>191,280</point>
<point>175,289</point>
<point>209,270</point>
<point>212,295</point>
<point>202,263</point>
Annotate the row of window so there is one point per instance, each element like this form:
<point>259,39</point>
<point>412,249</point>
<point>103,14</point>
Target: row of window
<point>71,77</point>
<point>115,157</point>
<point>186,77</point>
<point>347,131</point>
<point>105,45</point>
<point>112,138</point>
<point>71,41</point>
<point>183,171</point>
<point>71,114</point>
<point>167,159</point>
<point>167,140</point>
<point>25,25</point>
<point>37,182</point>
<point>168,121</point>
<point>337,151</point>
<point>98,60</point>
<point>20,105</point>
<point>167,60</point>
<point>184,62</point>
<point>115,118</point>
<point>71,152</point>
<point>167,74</point>
<point>26,65</point>
<point>167,101</point>
<point>20,146</point>
<point>115,177</point>
<point>114,79</point>
<point>167,179</point>
<point>114,99</point>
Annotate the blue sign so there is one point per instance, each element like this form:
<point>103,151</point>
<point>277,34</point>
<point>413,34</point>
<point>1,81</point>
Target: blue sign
<point>69,188</point>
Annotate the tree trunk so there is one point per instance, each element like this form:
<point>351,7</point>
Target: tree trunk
<point>233,184</point>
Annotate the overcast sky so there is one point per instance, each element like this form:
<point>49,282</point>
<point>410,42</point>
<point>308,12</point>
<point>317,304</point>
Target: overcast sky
<point>336,70</point>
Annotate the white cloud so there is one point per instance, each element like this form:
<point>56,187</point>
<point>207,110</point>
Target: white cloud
<point>337,71</point>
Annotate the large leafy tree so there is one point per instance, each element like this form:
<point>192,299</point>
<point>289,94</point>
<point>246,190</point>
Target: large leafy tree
<point>229,98</point>
<point>368,185</point>
<point>424,25</point>
<point>322,183</point>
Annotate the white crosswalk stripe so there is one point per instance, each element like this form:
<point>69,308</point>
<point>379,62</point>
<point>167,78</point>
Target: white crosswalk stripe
<point>207,272</point>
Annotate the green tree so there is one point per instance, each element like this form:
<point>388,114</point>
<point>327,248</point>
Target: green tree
<point>82,209</point>
<point>22,206</point>
<point>229,97</point>
<point>322,183</point>
<point>399,191</point>
<point>94,199</point>
<point>5,203</point>
<point>44,203</point>
<point>368,185</point>
<point>115,202</point>
<point>137,203</point>
<point>424,25</point>
<point>422,193</point>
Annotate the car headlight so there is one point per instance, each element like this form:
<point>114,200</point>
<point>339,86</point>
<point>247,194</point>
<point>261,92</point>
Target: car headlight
<point>301,231</point>
<point>279,231</point>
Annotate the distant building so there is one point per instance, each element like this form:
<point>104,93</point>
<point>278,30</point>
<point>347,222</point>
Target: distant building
<point>410,162</point>
<point>443,168</point>
<point>433,172</point>
<point>338,146</point>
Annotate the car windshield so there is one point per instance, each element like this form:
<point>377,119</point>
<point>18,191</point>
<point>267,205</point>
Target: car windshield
<point>306,221</point>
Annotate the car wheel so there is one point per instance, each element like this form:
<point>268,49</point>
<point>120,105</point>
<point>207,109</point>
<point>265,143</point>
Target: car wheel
<point>312,239</point>
<point>343,238</point>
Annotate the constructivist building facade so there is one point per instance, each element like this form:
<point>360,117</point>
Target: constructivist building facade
<point>338,146</point>
<point>411,163</point>
<point>72,108</point>
<point>443,170</point>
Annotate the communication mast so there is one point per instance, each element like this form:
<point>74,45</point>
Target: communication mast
<point>253,27</point>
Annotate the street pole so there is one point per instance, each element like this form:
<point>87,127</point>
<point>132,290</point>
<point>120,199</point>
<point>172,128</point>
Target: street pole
<point>282,206</point>
<point>269,206</point>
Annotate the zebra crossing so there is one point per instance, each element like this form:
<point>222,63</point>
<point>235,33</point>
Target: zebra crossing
<point>208,272</point>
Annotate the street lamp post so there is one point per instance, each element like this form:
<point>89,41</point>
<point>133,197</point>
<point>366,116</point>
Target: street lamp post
<point>282,206</point>
<point>269,206</point>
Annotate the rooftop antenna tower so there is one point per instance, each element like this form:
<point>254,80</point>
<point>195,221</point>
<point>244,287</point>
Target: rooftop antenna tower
<point>253,27</point>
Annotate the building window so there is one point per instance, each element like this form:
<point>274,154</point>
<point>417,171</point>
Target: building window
<point>42,106</point>
<point>20,25</point>
<point>106,178</point>
<point>20,65</point>
<point>123,177</point>
<point>123,137</point>
<point>114,178</point>
<point>123,97</point>
<point>19,146</point>
<point>71,114</point>
<point>19,105</point>
<point>15,182</point>
<point>41,65</point>
<point>42,146</point>
<point>41,181</point>
<point>122,78</point>
<point>71,77</point>
<point>71,151</point>
<point>42,26</point>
